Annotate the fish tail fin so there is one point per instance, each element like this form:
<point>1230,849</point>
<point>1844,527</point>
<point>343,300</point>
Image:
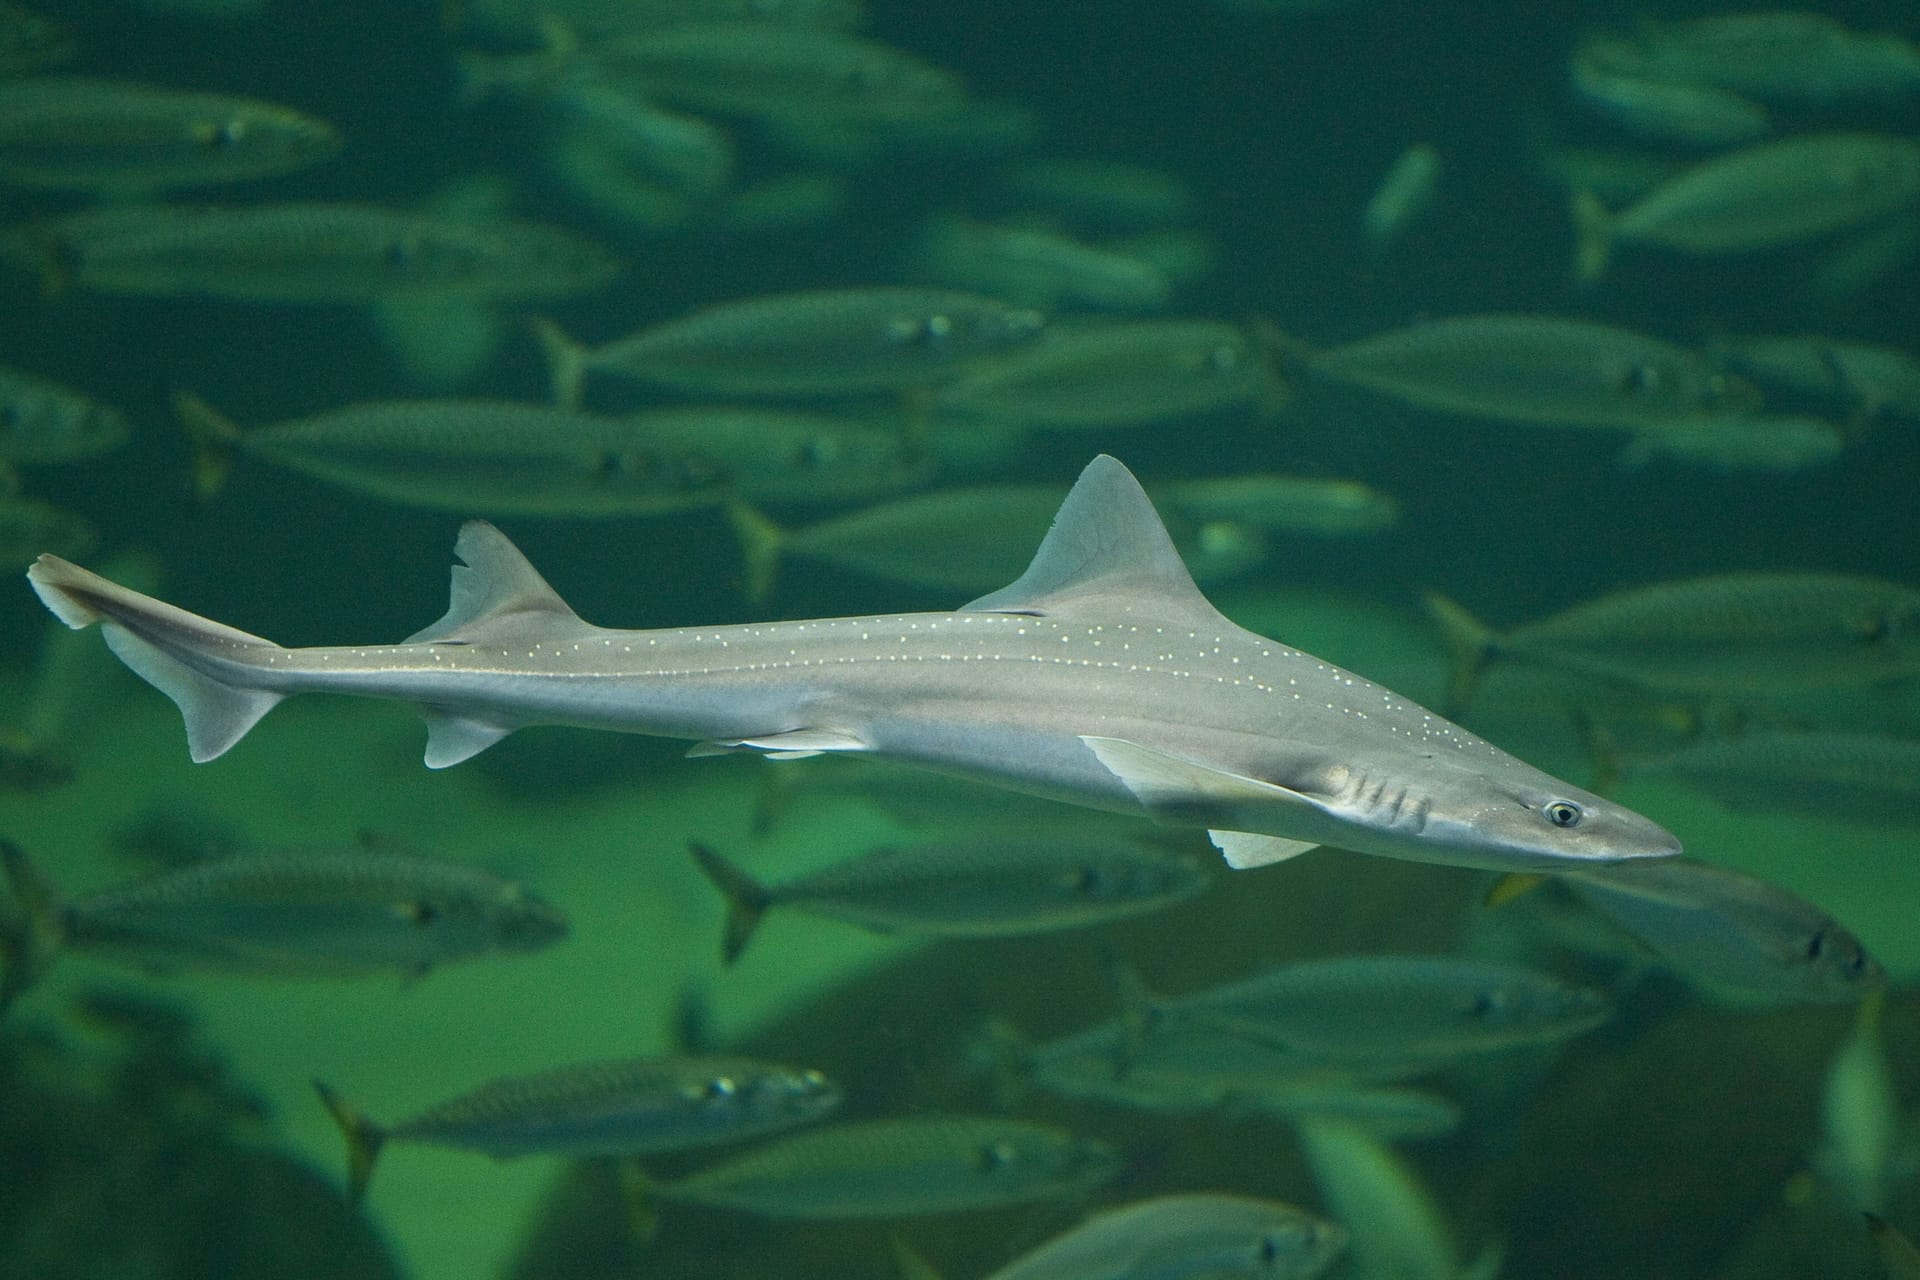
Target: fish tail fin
<point>761,543</point>
<point>1514,884</point>
<point>639,1196</point>
<point>364,1139</point>
<point>770,806</point>
<point>912,1265</point>
<point>1140,1014</point>
<point>1470,644</point>
<point>155,639</point>
<point>1592,237</point>
<point>30,941</point>
<point>566,362</point>
<point>1000,1052</point>
<point>747,899</point>
<point>1603,749</point>
<point>213,437</point>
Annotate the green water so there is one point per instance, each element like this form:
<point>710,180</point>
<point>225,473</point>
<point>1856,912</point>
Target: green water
<point>1674,1142</point>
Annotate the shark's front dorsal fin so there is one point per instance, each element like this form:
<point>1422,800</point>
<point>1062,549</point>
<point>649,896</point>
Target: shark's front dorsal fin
<point>494,581</point>
<point>1106,542</point>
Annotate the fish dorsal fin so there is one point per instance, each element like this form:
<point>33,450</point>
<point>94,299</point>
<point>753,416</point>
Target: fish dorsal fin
<point>493,581</point>
<point>1106,543</point>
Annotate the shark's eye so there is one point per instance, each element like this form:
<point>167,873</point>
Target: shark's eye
<point>1563,813</point>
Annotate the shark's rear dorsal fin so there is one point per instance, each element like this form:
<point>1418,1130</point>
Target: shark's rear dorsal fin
<point>494,581</point>
<point>1106,542</point>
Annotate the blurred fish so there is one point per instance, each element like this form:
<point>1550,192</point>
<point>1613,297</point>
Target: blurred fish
<point>305,253</point>
<point>28,526</point>
<point>1396,1231</point>
<point>1282,504</point>
<point>1099,195</point>
<point>640,1106</point>
<point>964,888</point>
<point>43,421</point>
<point>684,154</point>
<point>1028,687</point>
<point>1184,256</point>
<point>495,456</point>
<point>30,41</point>
<point>319,912</point>
<point>1545,370</point>
<point>966,539</point>
<point>1858,261</point>
<point>508,18</point>
<point>1037,266</point>
<point>1728,633</point>
<point>824,342</point>
<point>781,204</point>
<point>762,69</point>
<point>1860,1116</point>
<point>1792,191</point>
<point>1739,442</point>
<point>894,1168</point>
<point>1607,80</point>
<point>1118,373</point>
<point>122,136</point>
<point>1614,175</point>
<point>1405,194</point>
<point>1787,56</point>
<point>1734,932</point>
<point>1392,1007</point>
<point>784,456</point>
<point>1187,1237</point>
<point>1859,379</point>
<point>1864,776</point>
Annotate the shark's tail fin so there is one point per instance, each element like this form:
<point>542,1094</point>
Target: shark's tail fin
<point>213,437</point>
<point>155,640</point>
<point>747,899</point>
<point>566,362</point>
<point>1470,642</point>
<point>31,939</point>
<point>761,543</point>
<point>1592,237</point>
<point>364,1139</point>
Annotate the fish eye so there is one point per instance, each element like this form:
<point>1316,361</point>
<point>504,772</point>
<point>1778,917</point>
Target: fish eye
<point>1817,945</point>
<point>1563,813</point>
<point>996,1156</point>
<point>1486,1004</point>
<point>421,912</point>
<point>719,1089</point>
<point>221,136</point>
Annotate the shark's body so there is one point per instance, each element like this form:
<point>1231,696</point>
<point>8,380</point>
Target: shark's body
<point>1102,678</point>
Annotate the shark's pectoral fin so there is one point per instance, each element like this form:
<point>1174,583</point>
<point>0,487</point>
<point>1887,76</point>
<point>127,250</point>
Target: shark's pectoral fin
<point>1243,849</point>
<point>1181,790</point>
<point>451,738</point>
<point>793,744</point>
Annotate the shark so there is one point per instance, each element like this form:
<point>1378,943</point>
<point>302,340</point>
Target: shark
<point>1101,677</point>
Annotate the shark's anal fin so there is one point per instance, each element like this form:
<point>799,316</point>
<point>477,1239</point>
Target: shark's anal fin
<point>1184,791</point>
<point>493,582</point>
<point>1106,543</point>
<point>793,744</point>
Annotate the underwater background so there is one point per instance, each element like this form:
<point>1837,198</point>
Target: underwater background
<point>164,1124</point>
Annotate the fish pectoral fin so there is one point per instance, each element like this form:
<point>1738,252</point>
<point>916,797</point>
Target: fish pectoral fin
<point>1243,849</point>
<point>452,738</point>
<point>791,744</point>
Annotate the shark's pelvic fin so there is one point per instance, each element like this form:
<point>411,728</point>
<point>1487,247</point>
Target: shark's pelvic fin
<point>1106,543</point>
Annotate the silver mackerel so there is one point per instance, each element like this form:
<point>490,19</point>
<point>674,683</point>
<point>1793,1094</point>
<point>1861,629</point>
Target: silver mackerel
<point>1101,677</point>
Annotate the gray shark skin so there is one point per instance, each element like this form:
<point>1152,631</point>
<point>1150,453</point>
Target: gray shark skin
<point>1102,677</point>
